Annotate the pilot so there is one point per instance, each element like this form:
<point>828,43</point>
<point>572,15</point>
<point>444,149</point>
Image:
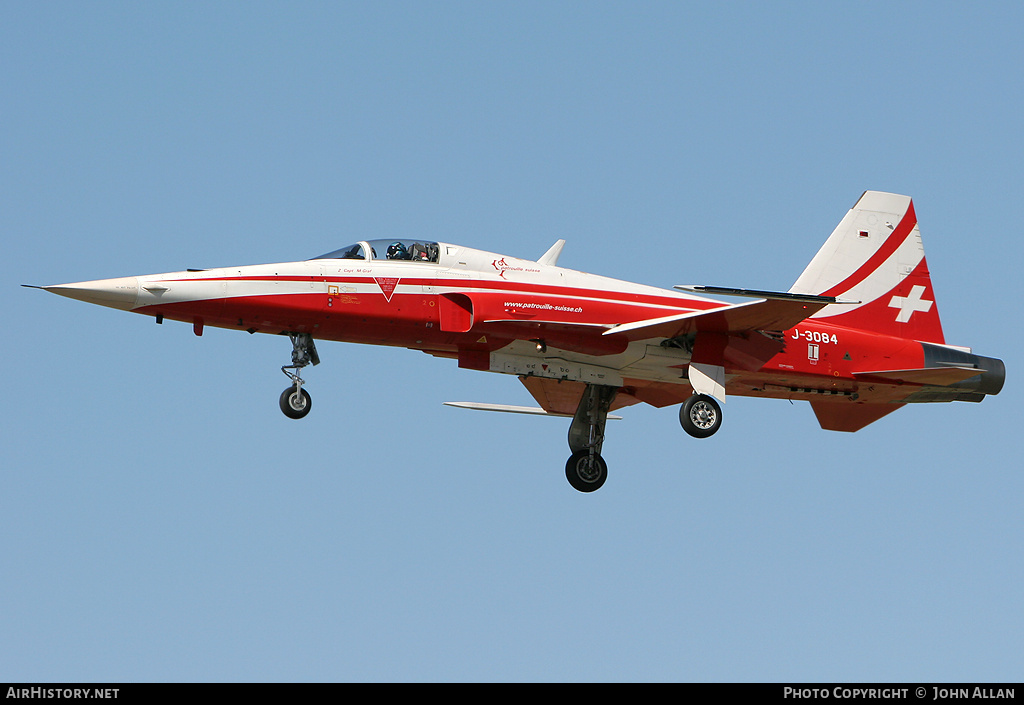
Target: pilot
<point>396,250</point>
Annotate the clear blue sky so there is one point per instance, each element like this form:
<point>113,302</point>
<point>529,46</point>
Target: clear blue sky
<point>161,520</point>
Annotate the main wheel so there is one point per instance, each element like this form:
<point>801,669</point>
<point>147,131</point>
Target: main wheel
<point>700,416</point>
<point>586,472</point>
<point>295,403</point>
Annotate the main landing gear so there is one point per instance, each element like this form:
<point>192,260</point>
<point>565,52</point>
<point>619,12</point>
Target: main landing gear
<point>700,416</point>
<point>295,401</point>
<point>586,470</point>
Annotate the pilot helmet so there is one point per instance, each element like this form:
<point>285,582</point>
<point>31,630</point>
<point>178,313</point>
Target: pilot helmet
<point>396,250</point>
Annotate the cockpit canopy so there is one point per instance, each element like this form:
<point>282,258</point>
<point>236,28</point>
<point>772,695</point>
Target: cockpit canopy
<point>409,250</point>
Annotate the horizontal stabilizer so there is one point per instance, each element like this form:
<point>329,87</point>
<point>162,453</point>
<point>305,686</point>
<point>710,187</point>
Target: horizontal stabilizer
<point>533,410</point>
<point>844,416</point>
<point>937,376</point>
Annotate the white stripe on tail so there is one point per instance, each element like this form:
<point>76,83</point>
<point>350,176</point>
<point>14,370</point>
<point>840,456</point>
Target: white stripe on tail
<point>875,256</point>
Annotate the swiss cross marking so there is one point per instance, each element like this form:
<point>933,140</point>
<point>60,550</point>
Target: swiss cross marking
<point>909,304</point>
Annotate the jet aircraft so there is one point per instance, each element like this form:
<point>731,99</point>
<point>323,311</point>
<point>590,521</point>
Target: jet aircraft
<point>857,335</point>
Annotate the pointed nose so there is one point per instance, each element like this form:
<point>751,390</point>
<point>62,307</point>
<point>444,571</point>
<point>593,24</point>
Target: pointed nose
<point>122,293</point>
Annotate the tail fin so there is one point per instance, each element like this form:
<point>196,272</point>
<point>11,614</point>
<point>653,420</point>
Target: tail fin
<point>875,256</point>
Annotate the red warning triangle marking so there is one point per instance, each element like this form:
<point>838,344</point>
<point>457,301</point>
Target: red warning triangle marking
<point>387,285</point>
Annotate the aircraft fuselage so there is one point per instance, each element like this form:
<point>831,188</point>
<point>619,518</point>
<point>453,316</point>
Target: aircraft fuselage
<point>858,335</point>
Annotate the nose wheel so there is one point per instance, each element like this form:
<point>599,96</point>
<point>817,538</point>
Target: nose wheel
<point>295,401</point>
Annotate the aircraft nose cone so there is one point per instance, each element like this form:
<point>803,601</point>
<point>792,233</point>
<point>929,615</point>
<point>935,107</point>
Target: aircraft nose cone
<point>122,292</point>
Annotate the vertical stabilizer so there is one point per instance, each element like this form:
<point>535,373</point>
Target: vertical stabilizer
<point>875,256</point>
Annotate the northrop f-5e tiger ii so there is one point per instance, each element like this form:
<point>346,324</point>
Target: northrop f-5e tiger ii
<point>857,335</point>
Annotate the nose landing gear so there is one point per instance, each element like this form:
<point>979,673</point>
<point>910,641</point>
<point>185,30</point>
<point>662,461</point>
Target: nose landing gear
<point>295,401</point>
<point>586,470</point>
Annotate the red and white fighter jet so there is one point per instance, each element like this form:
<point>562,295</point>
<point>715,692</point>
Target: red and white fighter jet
<point>858,335</point>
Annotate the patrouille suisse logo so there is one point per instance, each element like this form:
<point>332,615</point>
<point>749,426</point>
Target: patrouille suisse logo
<point>502,266</point>
<point>387,285</point>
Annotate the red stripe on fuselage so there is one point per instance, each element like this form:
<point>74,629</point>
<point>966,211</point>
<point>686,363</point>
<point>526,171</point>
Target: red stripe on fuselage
<point>671,302</point>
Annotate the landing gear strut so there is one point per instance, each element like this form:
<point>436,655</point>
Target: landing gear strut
<point>295,401</point>
<point>586,470</point>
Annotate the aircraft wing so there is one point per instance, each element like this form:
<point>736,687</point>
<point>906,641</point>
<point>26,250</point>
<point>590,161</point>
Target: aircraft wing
<point>555,397</point>
<point>741,336</point>
<point>559,397</point>
<point>779,313</point>
<point>772,311</point>
<point>509,409</point>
